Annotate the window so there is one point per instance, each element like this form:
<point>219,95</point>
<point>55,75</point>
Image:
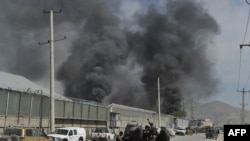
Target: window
<point>70,133</point>
<point>37,133</point>
<point>10,131</point>
<point>61,131</point>
<point>75,132</point>
<point>29,132</point>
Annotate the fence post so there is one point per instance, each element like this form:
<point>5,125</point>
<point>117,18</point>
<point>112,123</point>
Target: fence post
<point>31,100</point>
<point>6,109</point>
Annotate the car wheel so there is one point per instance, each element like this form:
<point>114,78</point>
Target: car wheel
<point>14,138</point>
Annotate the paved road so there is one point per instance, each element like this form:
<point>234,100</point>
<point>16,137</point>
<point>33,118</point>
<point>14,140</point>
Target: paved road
<point>196,137</point>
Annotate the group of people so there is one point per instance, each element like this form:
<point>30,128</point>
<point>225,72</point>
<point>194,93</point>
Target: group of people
<point>149,133</point>
<point>163,136</point>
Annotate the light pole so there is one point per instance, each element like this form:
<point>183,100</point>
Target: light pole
<point>159,104</point>
<point>52,77</point>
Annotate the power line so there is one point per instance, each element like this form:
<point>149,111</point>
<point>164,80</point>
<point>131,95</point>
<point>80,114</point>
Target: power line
<point>247,80</point>
<point>246,27</point>
<point>244,38</point>
<point>247,2</point>
<point>243,92</point>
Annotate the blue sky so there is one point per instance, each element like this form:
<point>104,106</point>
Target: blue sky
<point>231,16</point>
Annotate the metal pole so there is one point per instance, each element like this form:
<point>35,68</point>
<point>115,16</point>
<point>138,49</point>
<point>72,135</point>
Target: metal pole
<point>243,92</point>
<point>159,104</point>
<point>52,110</point>
<point>31,100</point>
<point>51,41</point>
<point>243,107</point>
<point>6,110</point>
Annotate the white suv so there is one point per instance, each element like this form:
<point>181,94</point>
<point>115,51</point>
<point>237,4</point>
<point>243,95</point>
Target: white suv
<point>69,134</point>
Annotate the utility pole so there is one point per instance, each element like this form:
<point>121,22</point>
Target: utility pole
<point>192,109</point>
<point>243,94</point>
<point>52,72</point>
<point>243,106</point>
<point>159,104</point>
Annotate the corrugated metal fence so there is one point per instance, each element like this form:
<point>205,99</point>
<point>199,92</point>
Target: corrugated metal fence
<point>34,110</point>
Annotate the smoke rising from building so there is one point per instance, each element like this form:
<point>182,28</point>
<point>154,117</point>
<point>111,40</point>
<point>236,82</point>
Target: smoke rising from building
<point>105,59</point>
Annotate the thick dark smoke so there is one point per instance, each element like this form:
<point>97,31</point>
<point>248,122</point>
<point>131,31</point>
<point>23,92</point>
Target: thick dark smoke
<point>172,47</point>
<point>106,60</point>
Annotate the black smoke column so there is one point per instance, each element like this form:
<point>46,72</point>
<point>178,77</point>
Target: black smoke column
<point>172,46</point>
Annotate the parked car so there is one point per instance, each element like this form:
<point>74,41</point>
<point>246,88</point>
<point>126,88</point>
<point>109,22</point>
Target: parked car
<point>180,131</point>
<point>103,133</point>
<point>69,134</point>
<point>171,132</point>
<point>24,134</point>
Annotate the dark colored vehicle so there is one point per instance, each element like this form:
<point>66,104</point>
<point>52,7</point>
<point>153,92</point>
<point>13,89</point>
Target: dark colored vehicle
<point>212,133</point>
<point>132,132</point>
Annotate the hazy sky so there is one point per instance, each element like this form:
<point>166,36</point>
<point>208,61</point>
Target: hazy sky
<point>231,16</point>
<point>223,52</point>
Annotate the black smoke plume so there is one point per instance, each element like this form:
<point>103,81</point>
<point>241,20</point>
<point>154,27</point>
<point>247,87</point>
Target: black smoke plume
<point>108,59</point>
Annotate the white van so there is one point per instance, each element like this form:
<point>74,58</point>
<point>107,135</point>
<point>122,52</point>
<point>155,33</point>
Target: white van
<point>69,134</point>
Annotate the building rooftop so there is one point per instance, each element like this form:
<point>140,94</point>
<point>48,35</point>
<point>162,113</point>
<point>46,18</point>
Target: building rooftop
<point>19,83</point>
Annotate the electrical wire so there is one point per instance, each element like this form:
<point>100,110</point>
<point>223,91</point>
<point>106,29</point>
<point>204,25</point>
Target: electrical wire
<point>244,38</point>
<point>246,27</point>
<point>243,43</point>
<point>247,2</point>
<point>247,80</point>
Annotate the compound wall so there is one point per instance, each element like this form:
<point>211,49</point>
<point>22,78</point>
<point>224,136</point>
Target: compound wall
<point>33,110</point>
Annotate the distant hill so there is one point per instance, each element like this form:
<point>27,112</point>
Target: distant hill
<point>218,111</point>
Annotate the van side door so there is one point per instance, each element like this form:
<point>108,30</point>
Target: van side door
<point>73,135</point>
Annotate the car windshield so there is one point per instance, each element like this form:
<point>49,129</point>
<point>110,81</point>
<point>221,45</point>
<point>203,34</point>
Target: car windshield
<point>130,127</point>
<point>10,131</point>
<point>101,130</point>
<point>61,131</point>
<point>178,128</point>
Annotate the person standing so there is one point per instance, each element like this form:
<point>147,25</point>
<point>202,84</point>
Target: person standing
<point>119,137</point>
